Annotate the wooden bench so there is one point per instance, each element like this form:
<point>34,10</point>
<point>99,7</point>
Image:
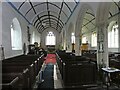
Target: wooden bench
<point>23,68</point>
<point>75,69</point>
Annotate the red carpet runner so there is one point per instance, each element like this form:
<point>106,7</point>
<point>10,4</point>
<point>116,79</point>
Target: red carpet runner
<point>51,58</point>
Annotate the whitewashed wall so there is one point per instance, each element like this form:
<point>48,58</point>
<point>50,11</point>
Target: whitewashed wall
<point>8,13</point>
<point>36,36</point>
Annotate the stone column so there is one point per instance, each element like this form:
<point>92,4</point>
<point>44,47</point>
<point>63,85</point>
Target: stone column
<point>0,31</point>
<point>69,44</point>
<point>61,41</point>
<point>64,40</point>
<point>119,30</point>
<point>77,45</point>
<point>102,45</point>
<point>0,23</point>
<point>1,42</point>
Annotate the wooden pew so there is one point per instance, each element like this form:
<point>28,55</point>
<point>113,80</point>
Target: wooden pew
<point>76,73</point>
<point>28,67</point>
<point>9,82</point>
<point>18,71</point>
<point>75,69</point>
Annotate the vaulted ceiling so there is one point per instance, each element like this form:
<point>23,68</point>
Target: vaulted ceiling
<point>89,24</point>
<point>46,14</point>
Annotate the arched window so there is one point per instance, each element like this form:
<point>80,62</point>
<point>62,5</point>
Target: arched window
<point>16,36</point>
<point>94,39</point>
<point>73,37</point>
<point>50,38</point>
<point>84,39</point>
<point>113,37</point>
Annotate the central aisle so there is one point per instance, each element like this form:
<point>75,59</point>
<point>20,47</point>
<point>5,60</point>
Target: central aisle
<point>48,73</point>
<point>50,59</point>
<point>48,78</point>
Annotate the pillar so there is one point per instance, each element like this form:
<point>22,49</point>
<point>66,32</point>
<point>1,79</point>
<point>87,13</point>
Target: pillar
<point>62,44</point>
<point>0,23</point>
<point>77,45</point>
<point>119,29</point>
<point>0,42</point>
<point>64,40</point>
<point>102,45</point>
<point>69,44</point>
<point>0,30</point>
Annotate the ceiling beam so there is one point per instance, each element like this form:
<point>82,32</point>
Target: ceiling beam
<point>48,27</point>
<point>48,12</point>
<point>52,12</point>
<point>90,14</point>
<point>51,20</point>
<point>68,7</point>
<point>39,26</point>
<point>89,21</point>
<point>50,16</point>
<point>51,25</point>
<point>117,5</point>
<point>59,30</point>
<point>35,12</point>
<point>75,1</point>
<point>21,5</point>
<point>45,3</point>
<point>59,15</point>
<point>72,12</point>
<point>110,14</point>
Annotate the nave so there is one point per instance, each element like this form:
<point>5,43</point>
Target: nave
<point>60,44</point>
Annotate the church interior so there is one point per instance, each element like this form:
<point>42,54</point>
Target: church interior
<point>60,44</point>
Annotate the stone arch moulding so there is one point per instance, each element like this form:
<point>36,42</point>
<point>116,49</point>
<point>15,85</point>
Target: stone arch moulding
<point>111,24</point>
<point>78,25</point>
<point>80,18</point>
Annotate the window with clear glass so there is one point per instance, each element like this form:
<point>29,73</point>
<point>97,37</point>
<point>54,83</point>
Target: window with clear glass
<point>16,36</point>
<point>50,38</point>
<point>113,37</point>
<point>94,39</point>
<point>84,39</point>
<point>73,37</point>
<point>33,37</point>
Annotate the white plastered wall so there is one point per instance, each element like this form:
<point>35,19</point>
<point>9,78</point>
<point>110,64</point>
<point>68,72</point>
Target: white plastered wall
<point>36,36</point>
<point>8,14</point>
